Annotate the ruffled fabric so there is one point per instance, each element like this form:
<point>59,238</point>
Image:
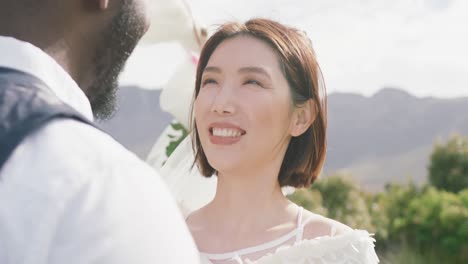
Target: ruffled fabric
<point>353,247</point>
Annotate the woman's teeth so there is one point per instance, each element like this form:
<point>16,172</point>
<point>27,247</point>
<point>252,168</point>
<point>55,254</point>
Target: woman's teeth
<point>226,132</point>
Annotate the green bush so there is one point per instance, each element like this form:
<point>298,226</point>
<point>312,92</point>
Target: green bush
<point>404,254</point>
<point>310,200</point>
<point>420,224</point>
<point>390,208</point>
<point>448,169</point>
<point>428,221</point>
<point>437,221</point>
<point>338,198</point>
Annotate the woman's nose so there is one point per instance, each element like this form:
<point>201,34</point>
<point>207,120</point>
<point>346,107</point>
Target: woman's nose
<point>223,102</point>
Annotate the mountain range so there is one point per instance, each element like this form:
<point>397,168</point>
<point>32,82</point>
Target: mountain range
<point>387,137</point>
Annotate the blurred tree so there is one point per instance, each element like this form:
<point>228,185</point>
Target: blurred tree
<point>448,169</point>
<point>310,200</point>
<point>437,222</point>
<point>339,198</point>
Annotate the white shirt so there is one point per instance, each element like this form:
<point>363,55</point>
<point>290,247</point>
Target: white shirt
<point>71,194</point>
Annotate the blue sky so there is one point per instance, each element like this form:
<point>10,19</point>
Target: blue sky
<point>420,46</point>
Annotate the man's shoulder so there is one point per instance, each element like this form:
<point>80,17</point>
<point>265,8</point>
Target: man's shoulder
<point>79,140</point>
<point>72,151</point>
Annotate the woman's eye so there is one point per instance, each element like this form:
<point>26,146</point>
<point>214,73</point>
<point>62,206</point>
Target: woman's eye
<point>209,81</point>
<point>252,81</point>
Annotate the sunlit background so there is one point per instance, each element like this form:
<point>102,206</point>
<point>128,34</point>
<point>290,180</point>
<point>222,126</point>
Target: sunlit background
<point>420,46</point>
<point>396,73</point>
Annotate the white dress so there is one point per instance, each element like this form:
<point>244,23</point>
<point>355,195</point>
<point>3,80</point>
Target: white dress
<point>352,247</point>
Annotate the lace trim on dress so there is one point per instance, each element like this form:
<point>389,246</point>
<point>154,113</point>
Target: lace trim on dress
<point>353,247</point>
<point>249,250</point>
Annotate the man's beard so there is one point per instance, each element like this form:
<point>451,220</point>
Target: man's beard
<point>118,42</point>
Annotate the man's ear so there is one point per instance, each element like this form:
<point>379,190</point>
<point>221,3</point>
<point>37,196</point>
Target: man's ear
<point>103,4</point>
<point>303,117</point>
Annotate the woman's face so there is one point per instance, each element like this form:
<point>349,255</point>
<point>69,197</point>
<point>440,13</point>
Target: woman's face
<point>243,109</point>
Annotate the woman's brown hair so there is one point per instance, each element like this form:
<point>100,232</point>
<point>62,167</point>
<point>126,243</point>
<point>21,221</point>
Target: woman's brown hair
<point>305,154</point>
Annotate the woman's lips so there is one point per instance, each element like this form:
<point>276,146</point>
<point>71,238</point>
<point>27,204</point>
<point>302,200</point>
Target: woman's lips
<point>223,133</point>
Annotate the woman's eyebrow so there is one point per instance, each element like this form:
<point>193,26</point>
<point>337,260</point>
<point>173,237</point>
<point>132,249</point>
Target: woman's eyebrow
<point>212,69</point>
<point>254,70</point>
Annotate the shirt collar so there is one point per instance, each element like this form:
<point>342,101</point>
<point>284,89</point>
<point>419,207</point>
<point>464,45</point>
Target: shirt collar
<point>25,57</point>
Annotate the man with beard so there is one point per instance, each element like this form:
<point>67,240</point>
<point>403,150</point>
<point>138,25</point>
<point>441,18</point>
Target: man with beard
<point>68,192</point>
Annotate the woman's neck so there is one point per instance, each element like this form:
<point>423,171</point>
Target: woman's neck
<point>248,209</point>
<point>248,202</point>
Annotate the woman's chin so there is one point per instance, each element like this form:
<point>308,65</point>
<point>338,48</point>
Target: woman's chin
<point>225,166</point>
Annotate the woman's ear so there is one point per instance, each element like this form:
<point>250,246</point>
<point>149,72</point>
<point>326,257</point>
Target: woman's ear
<point>303,117</point>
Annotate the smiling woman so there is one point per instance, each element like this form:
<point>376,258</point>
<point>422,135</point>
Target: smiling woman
<point>259,123</point>
<point>253,57</point>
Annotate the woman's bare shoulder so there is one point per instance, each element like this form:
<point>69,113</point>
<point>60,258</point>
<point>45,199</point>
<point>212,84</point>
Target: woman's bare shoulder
<point>315,225</point>
<point>196,220</point>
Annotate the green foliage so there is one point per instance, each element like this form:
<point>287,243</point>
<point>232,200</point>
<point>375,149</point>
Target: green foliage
<point>390,209</point>
<point>309,199</point>
<point>428,221</point>
<point>412,224</point>
<point>405,254</point>
<point>176,139</point>
<point>448,169</point>
<point>464,197</point>
<point>344,201</point>
<point>338,198</point>
<point>437,221</point>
